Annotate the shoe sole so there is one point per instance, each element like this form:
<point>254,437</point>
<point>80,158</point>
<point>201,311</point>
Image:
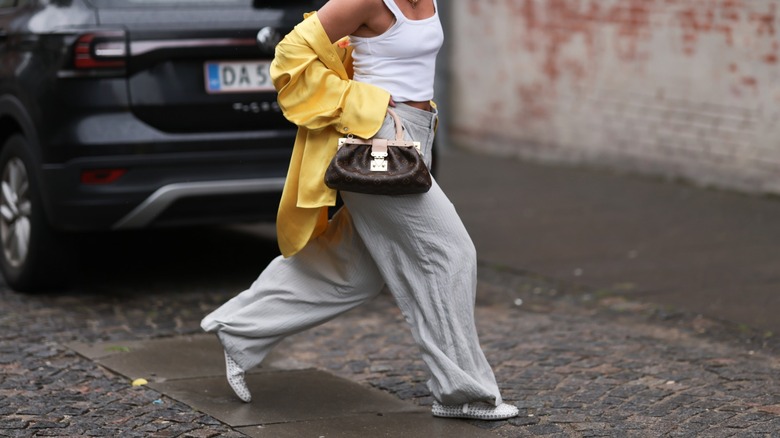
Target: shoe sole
<point>473,416</point>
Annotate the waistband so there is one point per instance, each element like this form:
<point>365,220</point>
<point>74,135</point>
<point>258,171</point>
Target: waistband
<point>415,115</point>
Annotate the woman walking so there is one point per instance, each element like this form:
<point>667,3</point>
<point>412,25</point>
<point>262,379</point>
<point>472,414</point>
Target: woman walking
<point>416,245</point>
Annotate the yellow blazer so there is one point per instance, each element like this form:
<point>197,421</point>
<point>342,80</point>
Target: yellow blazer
<point>316,92</point>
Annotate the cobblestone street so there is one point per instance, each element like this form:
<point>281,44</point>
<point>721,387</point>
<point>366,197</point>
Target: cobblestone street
<point>48,390</point>
<point>575,362</point>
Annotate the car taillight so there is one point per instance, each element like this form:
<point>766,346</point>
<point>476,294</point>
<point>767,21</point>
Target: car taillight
<point>101,176</point>
<point>100,50</point>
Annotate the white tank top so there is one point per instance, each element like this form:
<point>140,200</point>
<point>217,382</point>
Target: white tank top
<point>403,59</point>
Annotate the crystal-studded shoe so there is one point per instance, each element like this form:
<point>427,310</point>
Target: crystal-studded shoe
<point>475,411</point>
<point>235,377</point>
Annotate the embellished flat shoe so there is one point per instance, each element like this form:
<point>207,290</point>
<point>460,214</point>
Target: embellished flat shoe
<point>475,411</point>
<point>235,377</point>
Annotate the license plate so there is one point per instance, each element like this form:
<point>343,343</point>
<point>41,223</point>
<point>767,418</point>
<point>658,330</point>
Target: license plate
<point>237,76</point>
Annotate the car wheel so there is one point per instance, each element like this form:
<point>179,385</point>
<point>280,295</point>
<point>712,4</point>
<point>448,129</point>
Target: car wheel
<point>30,248</point>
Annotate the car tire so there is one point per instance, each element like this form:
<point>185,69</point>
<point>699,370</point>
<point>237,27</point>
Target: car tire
<point>31,252</point>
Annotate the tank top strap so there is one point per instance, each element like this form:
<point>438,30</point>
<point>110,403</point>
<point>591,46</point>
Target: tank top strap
<point>399,15</point>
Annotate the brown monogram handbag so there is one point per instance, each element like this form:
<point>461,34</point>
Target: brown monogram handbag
<point>379,166</point>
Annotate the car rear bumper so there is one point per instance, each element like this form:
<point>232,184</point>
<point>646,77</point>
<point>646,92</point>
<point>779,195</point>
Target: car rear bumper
<point>153,207</point>
<point>230,184</point>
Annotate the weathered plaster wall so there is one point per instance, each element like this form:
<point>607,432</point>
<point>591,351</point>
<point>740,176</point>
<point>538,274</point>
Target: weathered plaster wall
<point>684,88</point>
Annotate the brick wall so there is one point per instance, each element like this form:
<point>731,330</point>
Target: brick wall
<point>682,88</point>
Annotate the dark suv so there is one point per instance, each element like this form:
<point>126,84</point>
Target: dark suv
<point>130,114</point>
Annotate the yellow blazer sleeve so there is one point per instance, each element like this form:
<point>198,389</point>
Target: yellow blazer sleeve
<point>314,90</point>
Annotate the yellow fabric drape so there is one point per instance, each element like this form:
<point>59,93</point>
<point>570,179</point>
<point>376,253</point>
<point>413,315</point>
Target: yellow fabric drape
<point>313,79</point>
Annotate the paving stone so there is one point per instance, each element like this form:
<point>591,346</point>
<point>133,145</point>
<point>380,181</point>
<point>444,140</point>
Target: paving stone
<point>13,433</point>
<point>13,423</point>
<point>200,433</point>
<point>47,424</point>
<point>688,430</point>
<point>566,418</point>
<point>771,427</point>
<point>524,420</point>
<point>545,429</point>
<point>34,410</point>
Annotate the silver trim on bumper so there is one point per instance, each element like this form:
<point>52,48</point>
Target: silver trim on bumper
<point>161,199</point>
<point>142,47</point>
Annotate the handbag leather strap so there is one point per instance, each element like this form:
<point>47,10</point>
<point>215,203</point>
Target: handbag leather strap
<point>399,127</point>
<point>379,144</point>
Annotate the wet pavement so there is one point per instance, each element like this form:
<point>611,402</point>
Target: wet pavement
<point>582,343</point>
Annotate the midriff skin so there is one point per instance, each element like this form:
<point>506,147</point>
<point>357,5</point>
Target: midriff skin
<point>425,106</point>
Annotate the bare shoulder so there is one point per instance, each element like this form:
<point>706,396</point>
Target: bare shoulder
<point>343,17</point>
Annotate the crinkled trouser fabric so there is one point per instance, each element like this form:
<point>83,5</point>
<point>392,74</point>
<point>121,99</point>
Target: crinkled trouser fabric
<point>416,245</point>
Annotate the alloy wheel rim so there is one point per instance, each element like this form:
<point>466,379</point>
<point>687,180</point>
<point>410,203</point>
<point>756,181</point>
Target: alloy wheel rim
<point>15,209</point>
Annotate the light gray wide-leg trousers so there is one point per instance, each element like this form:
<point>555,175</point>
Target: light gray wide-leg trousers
<point>414,244</point>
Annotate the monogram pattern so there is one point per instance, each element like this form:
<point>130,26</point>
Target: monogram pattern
<point>350,170</point>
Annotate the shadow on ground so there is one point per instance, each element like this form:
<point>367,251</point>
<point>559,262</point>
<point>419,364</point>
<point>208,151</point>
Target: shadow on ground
<point>172,259</point>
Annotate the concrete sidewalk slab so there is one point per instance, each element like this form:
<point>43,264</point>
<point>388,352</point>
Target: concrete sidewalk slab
<point>159,360</point>
<point>182,357</point>
<point>294,403</point>
<point>283,397</point>
<point>697,250</point>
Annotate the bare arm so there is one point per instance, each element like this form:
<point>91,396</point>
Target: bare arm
<point>340,18</point>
